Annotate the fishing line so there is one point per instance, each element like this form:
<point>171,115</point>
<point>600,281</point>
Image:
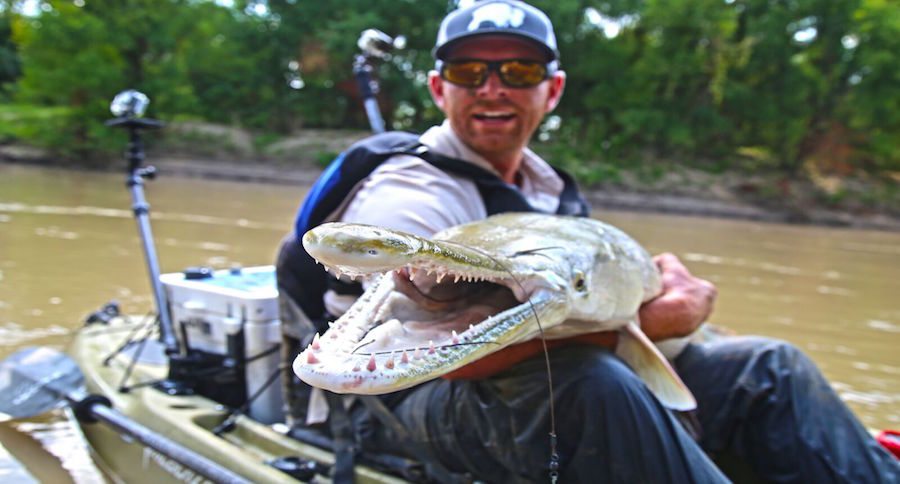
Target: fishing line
<point>423,348</point>
<point>554,455</point>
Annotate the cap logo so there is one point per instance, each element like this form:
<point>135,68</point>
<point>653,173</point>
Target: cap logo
<point>502,15</point>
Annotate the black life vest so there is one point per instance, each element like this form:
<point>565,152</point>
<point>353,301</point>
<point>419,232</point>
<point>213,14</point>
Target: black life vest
<point>306,282</point>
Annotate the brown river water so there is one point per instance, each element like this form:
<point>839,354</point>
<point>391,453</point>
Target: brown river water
<point>68,243</point>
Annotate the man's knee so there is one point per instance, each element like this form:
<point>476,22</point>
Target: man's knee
<point>603,382</point>
<point>779,359</point>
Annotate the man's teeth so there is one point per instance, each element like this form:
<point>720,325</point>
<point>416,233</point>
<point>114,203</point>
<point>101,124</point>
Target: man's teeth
<point>495,114</point>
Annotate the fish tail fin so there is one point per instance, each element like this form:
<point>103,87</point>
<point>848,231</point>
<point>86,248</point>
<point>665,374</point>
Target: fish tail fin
<point>645,359</point>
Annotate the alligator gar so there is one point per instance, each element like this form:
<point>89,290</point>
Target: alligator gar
<point>443,302</point>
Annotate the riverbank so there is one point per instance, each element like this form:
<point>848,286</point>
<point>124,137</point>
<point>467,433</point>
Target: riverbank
<point>681,191</point>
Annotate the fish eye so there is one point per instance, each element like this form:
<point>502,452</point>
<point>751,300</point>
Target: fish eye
<point>372,252</point>
<point>580,284</point>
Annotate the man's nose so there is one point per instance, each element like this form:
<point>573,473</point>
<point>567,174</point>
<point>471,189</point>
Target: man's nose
<point>493,86</point>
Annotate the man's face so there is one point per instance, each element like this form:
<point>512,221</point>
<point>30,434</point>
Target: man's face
<point>495,120</point>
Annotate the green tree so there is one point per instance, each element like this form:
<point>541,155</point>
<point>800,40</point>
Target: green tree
<point>321,38</point>
<point>78,55</point>
<point>681,79</point>
<point>9,59</point>
<point>871,103</point>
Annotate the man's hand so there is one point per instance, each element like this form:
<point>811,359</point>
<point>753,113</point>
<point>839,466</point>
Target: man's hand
<point>685,302</point>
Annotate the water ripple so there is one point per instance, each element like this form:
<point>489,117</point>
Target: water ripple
<point>740,262</point>
<point>55,233</point>
<point>211,246</point>
<point>869,399</point>
<point>871,248</point>
<point>12,334</point>
<point>63,440</point>
<point>83,210</point>
<point>834,291</point>
<point>883,326</point>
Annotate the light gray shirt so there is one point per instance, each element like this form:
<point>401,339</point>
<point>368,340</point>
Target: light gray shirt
<point>408,193</point>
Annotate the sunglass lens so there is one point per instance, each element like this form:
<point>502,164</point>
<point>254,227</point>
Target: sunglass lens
<point>469,74</point>
<point>522,74</point>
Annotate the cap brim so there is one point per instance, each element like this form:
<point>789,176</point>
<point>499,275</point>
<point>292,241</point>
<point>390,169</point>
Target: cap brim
<point>442,51</point>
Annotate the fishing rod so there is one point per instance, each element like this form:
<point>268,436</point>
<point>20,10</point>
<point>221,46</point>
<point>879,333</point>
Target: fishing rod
<point>375,46</point>
<point>129,107</point>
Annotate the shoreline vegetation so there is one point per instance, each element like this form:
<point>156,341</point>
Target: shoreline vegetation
<point>652,185</point>
<point>780,111</point>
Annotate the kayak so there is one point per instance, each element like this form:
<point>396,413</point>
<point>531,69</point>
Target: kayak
<point>124,369</point>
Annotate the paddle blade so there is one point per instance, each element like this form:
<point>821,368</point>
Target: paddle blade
<point>35,380</point>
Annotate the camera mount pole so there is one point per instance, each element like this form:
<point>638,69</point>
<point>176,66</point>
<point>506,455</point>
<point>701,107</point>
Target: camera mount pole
<point>374,46</point>
<point>368,88</point>
<point>128,119</point>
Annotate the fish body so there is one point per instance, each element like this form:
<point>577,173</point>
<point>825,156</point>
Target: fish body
<point>471,290</point>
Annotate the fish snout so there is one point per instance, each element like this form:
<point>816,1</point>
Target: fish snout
<point>358,248</point>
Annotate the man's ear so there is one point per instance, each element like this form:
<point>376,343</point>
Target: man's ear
<point>436,88</point>
<point>557,86</point>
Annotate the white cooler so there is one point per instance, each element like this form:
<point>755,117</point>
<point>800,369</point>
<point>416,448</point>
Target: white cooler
<point>206,310</point>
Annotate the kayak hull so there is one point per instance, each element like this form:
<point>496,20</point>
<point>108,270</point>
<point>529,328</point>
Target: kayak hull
<point>185,419</point>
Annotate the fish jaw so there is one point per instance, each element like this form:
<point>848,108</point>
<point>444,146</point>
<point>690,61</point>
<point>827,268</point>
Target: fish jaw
<point>362,354</point>
<point>393,337</point>
<point>358,250</point>
<point>523,276</point>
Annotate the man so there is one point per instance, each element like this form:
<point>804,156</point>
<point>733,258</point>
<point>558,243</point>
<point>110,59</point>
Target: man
<point>762,404</point>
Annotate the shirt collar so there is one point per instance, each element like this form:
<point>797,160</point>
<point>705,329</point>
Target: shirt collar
<point>536,178</point>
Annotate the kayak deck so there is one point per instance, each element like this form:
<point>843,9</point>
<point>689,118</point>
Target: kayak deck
<point>186,419</point>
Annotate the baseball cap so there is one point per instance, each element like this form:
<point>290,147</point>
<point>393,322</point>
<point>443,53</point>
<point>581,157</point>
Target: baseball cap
<point>507,17</point>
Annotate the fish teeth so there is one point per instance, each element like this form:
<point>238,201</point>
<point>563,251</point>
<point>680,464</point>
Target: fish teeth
<point>310,356</point>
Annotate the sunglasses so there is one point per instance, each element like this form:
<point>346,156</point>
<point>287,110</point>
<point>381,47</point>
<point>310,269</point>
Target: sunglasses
<point>517,73</point>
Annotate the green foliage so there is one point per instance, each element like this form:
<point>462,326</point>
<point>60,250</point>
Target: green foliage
<point>751,84</point>
<point>9,59</point>
<point>872,102</point>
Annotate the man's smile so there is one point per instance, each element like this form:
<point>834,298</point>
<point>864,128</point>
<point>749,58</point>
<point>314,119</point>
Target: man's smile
<point>494,118</point>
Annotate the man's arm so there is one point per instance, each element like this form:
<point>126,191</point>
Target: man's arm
<point>685,302</point>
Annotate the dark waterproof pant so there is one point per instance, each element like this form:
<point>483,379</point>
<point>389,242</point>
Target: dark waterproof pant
<point>766,413</point>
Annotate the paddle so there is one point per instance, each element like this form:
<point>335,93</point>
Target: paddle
<point>36,380</point>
